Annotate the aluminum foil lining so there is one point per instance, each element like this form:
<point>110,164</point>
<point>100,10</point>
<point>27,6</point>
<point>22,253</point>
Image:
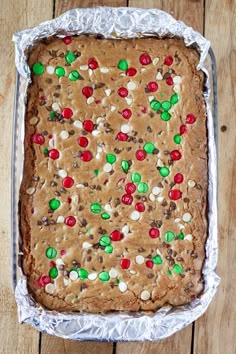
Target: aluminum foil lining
<point>122,326</point>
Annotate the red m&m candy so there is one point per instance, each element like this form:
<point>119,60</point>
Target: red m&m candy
<point>178,178</point>
<point>152,86</point>
<point>67,40</point>
<point>130,188</point>
<point>88,125</point>
<point>125,263</point>
<point>131,72</point>
<point>183,129</point>
<point>67,113</point>
<point>149,264</point>
<point>82,141</point>
<point>86,156</point>
<point>168,60</point>
<point>123,92</point>
<point>87,91</point>
<point>175,155</point>
<point>140,155</point>
<point>68,182</point>
<point>92,64</point>
<point>175,194</point>
<point>70,221</point>
<point>44,280</point>
<point>53,154</point>
<point>126,113</point>
<point>169,81</point>
<point>154,232</point>
<point>38,139</point>
<point>122,136</point>
<point>140,207</point>
<point>145,59</point>
<point>127,199</point>
<point>190,118</point>
<point>116,235</point>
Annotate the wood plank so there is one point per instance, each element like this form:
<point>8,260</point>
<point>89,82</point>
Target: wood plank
<point>181,341</point>
<point>215,331</point>
<point>51,344</point>
<point>14,16</point>
<point>189,11</point>
<point>64,5</point>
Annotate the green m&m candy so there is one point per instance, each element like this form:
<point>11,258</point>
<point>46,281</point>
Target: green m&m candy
<point>125,165</point>
<point>60,71</point>
<point>142,187</point>
<point>178,269</point>
<point>135,177</point>
<point>104,241</point>
<point>155,105</point>
<point>54,204</point>
<point>174,98</point>
<point>105,216</point>
<point>52,114</point>
<point>83,274</point>
<point>104,276</point>
<point>123,65</point>
<point>53,273</point>
<point>149,148</point>
<point>70,57</point>
<point>169,236</point>
<point>108,249</point>
<point>74,75</point>
<point>164,171</point>
<point>51,252</point>
<point>157,259</point>
<point>96,208</point>
<point>96,172</point>
<point>111,158</point>
<point>38,68</point>
<point>177,139</point>
<point>166,105</point>
<point>181,236</point>
<point>169,272</point>
<point>165,116</point>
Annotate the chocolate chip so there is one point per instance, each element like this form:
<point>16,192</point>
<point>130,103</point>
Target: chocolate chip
<point>156,152</point>
<point>44,218</point>
<point>99,85</point>
<point>100,230</point>
<point>52,222</point>
<point>172,206</point>
<point>50,211</point>
<point>99,188</point>
<point>186,200</point>
<point>117,151</point>
<point>141,249</point>
<point>57,95</point>
<point>150,208</point>
<point>56,176</point>
<point>166,152</point>
<point>166,75</point>
<point>39,222</point>
<point>91,237</point>
<point>81,208</point>
<point>53,184</point>
<point>49,81</point>
<point>88,259</point>
<point>169,251</point>
<point>198,186</point>
<point>140,140</point>
<point>174,253</point>
<point>117,202</point>
<point>71,132</point>
<point>223,128</point>
<point>63,190</point>
<point>179,259</point>
<point>100,259</point>
<point>58,87</point>
<point>83,286</point>
<point>83,222</point>
<point>115,214</point>
<point>61,267</point>
<point>164,203</point>
<point>193,255</point>
<point>92,186</point>
<point>150,275</point>
<point>144,199</point>
<point>85,184</point>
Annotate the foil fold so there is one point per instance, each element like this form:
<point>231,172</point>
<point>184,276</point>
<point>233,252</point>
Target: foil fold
<point>117,326</point>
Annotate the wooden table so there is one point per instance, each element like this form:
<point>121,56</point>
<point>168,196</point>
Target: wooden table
<point>213,333</point>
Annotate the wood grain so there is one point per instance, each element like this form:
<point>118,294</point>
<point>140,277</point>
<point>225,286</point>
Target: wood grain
<point>54,345</point>
<point>14,16</point>
<point>215,331</point>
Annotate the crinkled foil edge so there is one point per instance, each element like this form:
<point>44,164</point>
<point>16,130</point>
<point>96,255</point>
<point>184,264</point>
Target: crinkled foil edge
<point>124,326</point>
